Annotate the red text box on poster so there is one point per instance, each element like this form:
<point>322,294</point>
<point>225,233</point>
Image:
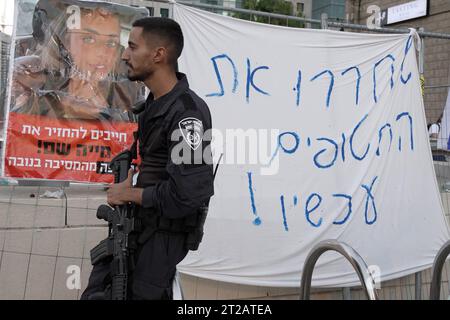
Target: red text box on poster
<point>57,149</point>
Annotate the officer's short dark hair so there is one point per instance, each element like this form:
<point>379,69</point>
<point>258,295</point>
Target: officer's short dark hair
<point>166,29</point>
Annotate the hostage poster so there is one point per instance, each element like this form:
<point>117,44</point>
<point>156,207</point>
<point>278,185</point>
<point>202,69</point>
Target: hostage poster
<point>70,101</point>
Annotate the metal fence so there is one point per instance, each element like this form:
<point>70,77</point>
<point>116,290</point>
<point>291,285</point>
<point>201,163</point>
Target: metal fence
<point>46,231</point>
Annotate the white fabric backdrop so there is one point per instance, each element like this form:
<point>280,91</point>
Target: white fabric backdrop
<point>325,124</point>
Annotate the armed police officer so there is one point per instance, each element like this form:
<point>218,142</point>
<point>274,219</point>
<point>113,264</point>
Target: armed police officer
<point>175,178</point>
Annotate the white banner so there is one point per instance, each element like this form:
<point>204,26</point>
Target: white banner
<point>323,136</point>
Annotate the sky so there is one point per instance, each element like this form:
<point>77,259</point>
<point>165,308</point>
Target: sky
<point>6,15</point>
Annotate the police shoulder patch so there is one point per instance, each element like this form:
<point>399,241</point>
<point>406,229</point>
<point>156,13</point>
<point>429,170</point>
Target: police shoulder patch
<point>192,131</point>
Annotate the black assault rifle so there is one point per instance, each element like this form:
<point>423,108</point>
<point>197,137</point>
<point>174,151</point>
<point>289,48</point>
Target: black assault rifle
<point>121,223</point>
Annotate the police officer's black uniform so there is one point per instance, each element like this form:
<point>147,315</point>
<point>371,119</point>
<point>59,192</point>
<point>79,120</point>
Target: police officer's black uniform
<point>173,191</point>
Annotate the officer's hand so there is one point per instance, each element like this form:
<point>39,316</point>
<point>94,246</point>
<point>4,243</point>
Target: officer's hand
<point>120,193</point>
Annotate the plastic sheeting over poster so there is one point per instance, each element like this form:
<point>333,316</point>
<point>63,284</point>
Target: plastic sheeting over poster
<point>70,98</point>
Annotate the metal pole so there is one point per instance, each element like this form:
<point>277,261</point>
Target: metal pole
<point>438,87</point>
<point>422,52</point>
<point>387,30</point>
<point>324,21</point>
<point>66,209</point>
<point>350,254</point>
<point>8,90</point>
<point>171,4</point>
<point>438,265</point>
<point>422,64</point>
<point>418,285</point>
<point>346,293</point>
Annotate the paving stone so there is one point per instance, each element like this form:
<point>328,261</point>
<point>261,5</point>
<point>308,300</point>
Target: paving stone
<point>40,278</point>
<point>60,290</point>
<point>45,242</point>
<point>18,241</point>
<point>13,275</point>
<point>71,242</point>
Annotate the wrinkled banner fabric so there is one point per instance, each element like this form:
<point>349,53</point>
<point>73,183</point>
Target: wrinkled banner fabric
<point>323,136</point>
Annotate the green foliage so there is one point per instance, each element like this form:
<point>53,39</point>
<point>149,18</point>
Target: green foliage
<point>271,6</point>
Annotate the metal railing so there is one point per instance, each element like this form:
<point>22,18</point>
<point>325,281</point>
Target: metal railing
<point>423,34</point>
<point>438,265</point>
<point>350,254</point>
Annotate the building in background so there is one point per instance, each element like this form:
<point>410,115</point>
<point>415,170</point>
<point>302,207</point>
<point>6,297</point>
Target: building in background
<point>335,9</point>
<point>5,40</point>
<point>161,8</point>
<point>302,6</point>
<point>6,16</point>
<point>298,6</point>
<point>410,14</point>
<point>155,8</point>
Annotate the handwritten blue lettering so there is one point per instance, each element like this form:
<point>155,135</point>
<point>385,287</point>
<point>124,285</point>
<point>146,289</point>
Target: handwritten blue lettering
<point>360,158</point>
<point>324,166</point>
<point>399,116</point>
<point>330,87</point>
<point>219,77</point>
<point>298,87</point>
<point>371,197</point>
<point>292,134</point>
<point>343,148</point>
<point>380,135</point>
<point>358,80</point>
<point>349,198</point>
<point>250,78</point>
<point>283,211</point>
<point>257,220</point>
<point>375,78</point>
<point>407,47</point>
<point>308,210</point>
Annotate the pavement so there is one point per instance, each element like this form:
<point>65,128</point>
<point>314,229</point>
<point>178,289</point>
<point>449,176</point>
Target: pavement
<point>45,244</point>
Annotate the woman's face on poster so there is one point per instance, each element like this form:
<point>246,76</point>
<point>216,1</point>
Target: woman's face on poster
<point>94,47</point>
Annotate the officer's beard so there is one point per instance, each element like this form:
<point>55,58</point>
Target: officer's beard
<point>138,76</point>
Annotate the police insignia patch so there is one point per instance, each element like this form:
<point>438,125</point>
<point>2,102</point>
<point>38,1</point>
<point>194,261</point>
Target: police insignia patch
<point>192,131</point>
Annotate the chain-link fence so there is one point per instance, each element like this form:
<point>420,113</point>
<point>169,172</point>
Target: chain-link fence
<point>47,229</point>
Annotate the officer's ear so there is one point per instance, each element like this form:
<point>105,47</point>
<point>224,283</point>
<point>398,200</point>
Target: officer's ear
<point>160,55</point>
